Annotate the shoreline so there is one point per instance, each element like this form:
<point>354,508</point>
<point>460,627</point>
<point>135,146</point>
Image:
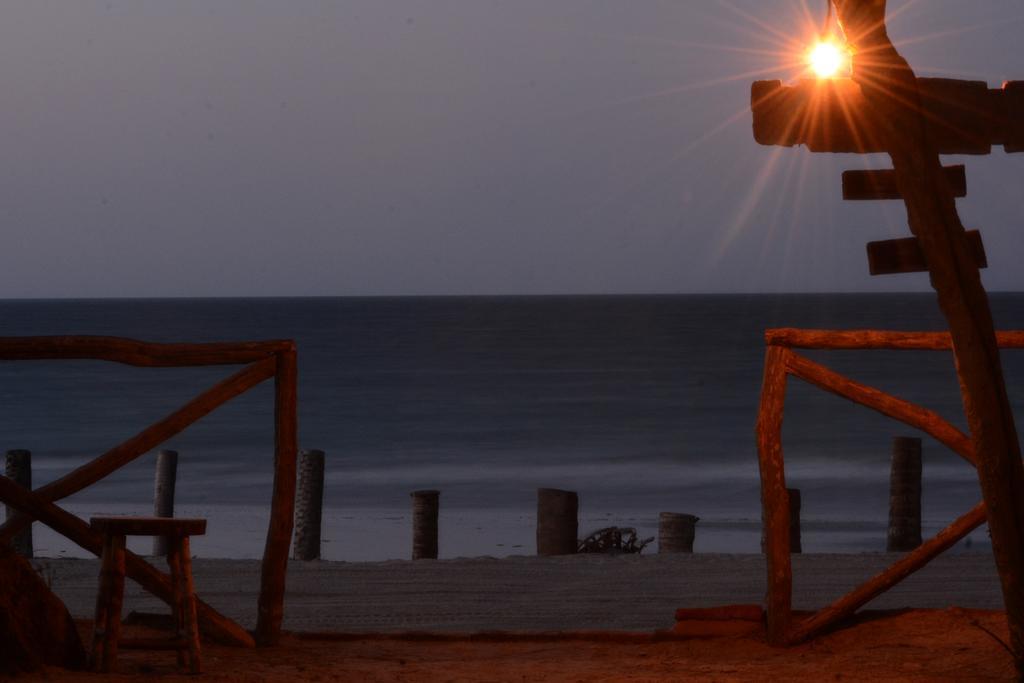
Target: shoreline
<point>382,534</point>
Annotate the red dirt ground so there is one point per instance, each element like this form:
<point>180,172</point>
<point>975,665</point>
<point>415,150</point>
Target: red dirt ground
<point>954,644</point>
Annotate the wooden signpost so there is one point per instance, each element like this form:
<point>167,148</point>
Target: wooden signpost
<point>884,107</point>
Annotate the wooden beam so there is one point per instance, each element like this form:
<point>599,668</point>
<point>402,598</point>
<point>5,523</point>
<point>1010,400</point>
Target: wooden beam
<point>889,257</point>
<point>881,184</point>
<point>876,339</point>
<point>134,352</point>
<point>833,115</point>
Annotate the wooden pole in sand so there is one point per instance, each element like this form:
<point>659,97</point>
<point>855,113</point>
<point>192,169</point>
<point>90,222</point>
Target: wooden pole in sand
<point>557,521</point>
<point>891,88</point>
<point>309,506</point>
<point>904,495</point>
<point>18,468</point>
<point>425,506</point>
<point>676,532</point>
<point>163,493</point>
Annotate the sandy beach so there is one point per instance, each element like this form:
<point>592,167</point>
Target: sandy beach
<point>583,592</point>
<point>593,618</point>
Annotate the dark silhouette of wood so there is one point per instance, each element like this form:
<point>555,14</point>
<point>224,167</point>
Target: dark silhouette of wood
<point>676,532</point>
<point>36,629</point>
<point>888,257</point>
<point>164,483</point>
<point>557,521</point>
<point>881,184</point>
<point>270,608</point>
<point>836,115</point>
<point>309,505</point>
<point>895,104</point>
<point>425,508</point>
<point>18,468</point>
<point>904,495</point>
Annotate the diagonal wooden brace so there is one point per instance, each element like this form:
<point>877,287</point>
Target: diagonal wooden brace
<point>213,623</point>
<point>146,440</point>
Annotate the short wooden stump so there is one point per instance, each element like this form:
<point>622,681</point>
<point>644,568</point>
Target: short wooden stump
<point>109,599</point>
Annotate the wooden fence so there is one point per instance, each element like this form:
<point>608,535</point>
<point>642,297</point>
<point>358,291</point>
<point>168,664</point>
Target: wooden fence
<point>262,361</point>
<point>780,362</point>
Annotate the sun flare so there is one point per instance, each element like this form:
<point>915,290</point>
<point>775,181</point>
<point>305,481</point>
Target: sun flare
<point>828,60</point>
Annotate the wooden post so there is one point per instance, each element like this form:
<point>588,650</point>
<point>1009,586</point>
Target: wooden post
<point>774,501</point>
<point>557,522</point>
<point>891,89</point>
<point>270,609</point>
<point>425,506</point>
<point>905,495</point>
<point>676,532</point>
<point>309,505</point>
<point>163,494</point>
<point>18,468</point>
<point>794,521</point>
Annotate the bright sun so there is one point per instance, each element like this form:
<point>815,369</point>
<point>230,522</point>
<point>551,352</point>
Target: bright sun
<point>826,59</point>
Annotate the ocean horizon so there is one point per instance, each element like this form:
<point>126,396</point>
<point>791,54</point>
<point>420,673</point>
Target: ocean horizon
<point>641,403</point>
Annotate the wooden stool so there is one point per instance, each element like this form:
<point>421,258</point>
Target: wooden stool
<point>107,633</point>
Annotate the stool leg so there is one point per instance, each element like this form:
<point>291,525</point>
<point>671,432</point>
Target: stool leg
<point>191,622</point>
<point>113,623</point>
<point>102,605</point>
<point>177,606</point>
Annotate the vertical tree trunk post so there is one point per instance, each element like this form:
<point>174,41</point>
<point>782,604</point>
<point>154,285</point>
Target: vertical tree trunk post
<point>676,532</point>
<point>18,468</point>
<point>557,521</point>
<point>794,521</point>
<point>891,88</point>
<point>274,569</point>
<point>905,495</point>
<point>163,493</point>
<point>425,506</point>
<point>309,504</point>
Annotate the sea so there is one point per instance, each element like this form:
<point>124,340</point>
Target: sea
<point>641,404</point>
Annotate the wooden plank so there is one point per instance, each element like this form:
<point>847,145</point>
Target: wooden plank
<point>833,115</point>
<point>881,183</point>
<point>916,559</point>
<point>215,624</point>
<point>889,257</point>
<point>876,339</point>
<point>146,440</point>
<point>270,610</point>
<point>137,353</point>
<point>774,498</point>
<point>927,421</point>
<point>149,526</point>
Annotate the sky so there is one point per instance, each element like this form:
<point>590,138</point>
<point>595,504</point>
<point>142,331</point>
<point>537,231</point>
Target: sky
<point>414,147</point>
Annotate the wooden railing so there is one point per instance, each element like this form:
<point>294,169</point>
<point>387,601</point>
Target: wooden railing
<point>262,361</point>
<point>780,362</point>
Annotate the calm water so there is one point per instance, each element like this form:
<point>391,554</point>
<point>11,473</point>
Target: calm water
<point>641,404</point>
